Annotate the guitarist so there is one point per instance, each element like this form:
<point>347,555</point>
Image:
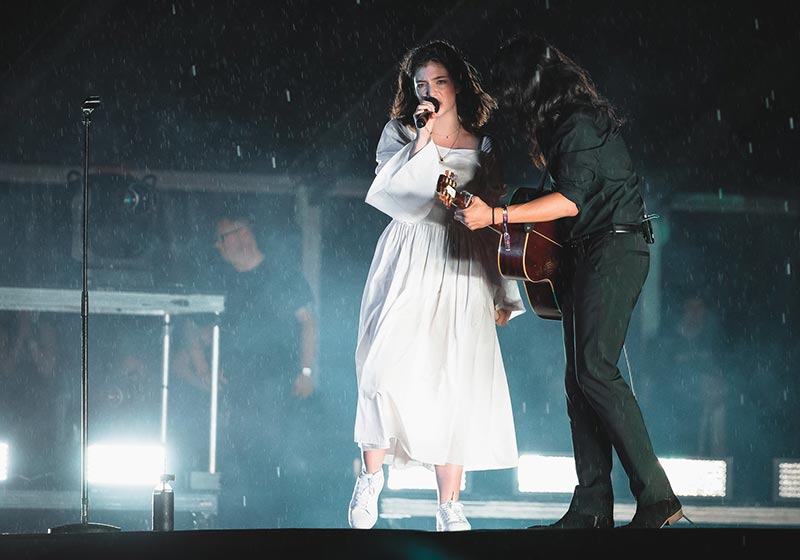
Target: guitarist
<point>574,135</point>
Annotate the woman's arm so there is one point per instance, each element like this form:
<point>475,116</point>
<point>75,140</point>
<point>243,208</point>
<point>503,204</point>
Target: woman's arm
<point>546,208</point>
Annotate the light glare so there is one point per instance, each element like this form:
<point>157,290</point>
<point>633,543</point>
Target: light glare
<point>697,477</point>
<point>3,461</point>
<point>415,478</point>
<point>546,474</point>
<point>125,464</point>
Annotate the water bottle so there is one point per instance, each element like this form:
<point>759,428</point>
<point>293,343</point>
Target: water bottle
<point>164,505</point>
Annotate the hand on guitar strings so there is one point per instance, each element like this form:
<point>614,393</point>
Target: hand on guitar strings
<point>478,215</point>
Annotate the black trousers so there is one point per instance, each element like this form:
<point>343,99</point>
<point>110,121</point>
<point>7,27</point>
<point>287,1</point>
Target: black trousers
<point>604,276</point>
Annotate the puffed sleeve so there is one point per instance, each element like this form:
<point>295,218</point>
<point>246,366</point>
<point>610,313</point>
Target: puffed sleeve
<point>405,183</point>
<point>506,291</point>
<point>507,296</point>
<point>576,145</point>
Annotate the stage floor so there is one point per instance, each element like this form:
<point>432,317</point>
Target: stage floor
<point>675,543</point>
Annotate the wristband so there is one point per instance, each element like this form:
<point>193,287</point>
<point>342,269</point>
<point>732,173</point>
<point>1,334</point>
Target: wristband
<point>506,236</point>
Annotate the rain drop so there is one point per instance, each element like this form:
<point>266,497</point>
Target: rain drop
<point>194,70</point>
<point>719,115</point>
<point>288,96</point>
<point>238,150</point>
<point>274,163</point>
<point>791,123</point>
<point>756,22</point>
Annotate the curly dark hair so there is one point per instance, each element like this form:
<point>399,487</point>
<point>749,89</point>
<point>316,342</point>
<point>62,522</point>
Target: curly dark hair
<point>535,81</point>
<point>475,105</point>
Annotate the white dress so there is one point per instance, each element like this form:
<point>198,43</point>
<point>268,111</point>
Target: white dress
<point>432,386</point>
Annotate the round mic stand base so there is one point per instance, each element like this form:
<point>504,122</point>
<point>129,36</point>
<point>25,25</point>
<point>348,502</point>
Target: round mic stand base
<point>76,528</point>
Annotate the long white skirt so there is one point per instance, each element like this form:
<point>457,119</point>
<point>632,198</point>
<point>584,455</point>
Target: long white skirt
<point>432,387</point>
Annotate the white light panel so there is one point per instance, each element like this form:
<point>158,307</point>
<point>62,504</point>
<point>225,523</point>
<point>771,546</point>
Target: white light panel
<point>124,464</point>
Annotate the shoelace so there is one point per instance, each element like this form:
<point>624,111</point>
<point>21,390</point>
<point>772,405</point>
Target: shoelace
<point>365,486</point>
<point>452,511</point>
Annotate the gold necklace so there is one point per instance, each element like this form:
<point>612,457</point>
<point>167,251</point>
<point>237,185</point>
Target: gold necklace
<point>438,153</point>
<point>447,136</point>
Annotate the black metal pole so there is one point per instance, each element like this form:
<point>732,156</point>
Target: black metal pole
<point>87,120</point>
<point>91,103</point>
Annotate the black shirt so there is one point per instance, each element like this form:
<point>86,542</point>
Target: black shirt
<point>590,165</point>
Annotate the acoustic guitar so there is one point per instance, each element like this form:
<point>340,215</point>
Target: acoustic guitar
<point>529,252</point>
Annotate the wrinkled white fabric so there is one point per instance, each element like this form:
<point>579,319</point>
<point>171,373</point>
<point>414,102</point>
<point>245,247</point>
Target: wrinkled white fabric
<point>432,386</point>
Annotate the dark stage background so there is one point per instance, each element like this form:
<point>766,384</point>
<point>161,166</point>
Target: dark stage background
<point>278,106</point>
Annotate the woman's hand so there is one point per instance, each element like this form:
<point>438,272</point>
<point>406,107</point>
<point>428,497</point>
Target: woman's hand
<point>421,108</point>
<point>303,387</point>
<point>501,317</point>
<point>477,215</point>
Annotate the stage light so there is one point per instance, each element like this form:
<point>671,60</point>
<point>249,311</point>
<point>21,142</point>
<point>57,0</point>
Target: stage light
<point>556,475</point>
<point>416,478</point>
<point>3,461</point>
<point>787,479</point>
<point>705,478</point>
<point>125,464</point>
<point>546,474</point>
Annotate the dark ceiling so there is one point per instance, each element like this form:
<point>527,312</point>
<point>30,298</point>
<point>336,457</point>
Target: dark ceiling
<point>302,88</point>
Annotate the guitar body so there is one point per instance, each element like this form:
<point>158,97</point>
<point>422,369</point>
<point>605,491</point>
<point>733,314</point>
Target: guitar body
<point>531,254</point>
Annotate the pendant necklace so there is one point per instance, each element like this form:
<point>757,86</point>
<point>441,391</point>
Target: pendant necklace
<point>441,157</point>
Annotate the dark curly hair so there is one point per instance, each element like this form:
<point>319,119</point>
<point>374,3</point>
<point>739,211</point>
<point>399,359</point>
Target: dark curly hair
<point>535,82</point>
<point>474,104</point>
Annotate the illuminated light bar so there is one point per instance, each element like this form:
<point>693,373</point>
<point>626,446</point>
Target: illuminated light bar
<point>415,478</point>
<point>125,464</point>
<point>546,474</point>
<point>3,461</point>
<point>787,475</point>
<point>705,478</point>
<point>543,474</point>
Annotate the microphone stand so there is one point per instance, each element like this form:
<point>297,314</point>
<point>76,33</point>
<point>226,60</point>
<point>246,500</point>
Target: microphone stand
<point>89,105</point>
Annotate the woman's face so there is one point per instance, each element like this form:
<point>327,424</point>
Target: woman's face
<point>433,80</point>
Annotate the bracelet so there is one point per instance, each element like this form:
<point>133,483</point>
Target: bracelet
<point>493,209</point>
<point>306,371</point>
<point>506,237</point>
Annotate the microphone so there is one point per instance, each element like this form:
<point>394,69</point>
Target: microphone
<point>91,103</point>
<point>422,118</point>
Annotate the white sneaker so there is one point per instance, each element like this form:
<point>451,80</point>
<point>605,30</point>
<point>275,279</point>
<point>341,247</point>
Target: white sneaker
<point>363,513</point>
<point>450,517</point>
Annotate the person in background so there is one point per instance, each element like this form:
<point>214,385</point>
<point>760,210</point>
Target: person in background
<point>432,388</point>
<point>269,418</point>
<point>574,136</point>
